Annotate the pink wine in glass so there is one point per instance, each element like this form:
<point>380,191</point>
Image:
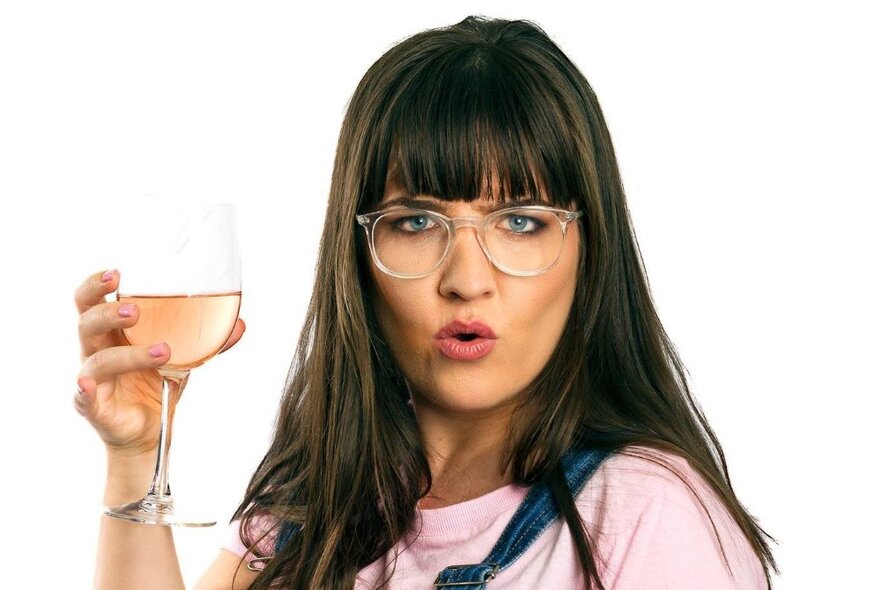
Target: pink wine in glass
<point>195,326</point>
<point>183,271</point>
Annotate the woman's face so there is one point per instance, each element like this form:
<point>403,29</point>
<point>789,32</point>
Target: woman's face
<point>526,314</point>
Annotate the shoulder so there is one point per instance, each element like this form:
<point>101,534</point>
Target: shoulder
<point>638,475</point>
<point>255,540</point>
<point>658,523</point>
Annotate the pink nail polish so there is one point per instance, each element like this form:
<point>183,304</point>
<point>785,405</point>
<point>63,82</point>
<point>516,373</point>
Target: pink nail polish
<point>156,350</point>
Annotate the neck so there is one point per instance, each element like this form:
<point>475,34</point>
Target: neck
<point>464,452</point>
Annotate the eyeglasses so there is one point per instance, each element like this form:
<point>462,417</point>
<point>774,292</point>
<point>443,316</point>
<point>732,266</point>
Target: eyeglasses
<point>521,241</point>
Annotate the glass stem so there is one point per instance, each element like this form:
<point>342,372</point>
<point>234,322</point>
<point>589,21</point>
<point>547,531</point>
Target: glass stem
<point>160,491</point>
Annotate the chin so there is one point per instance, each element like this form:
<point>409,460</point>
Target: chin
<point>470,397</point>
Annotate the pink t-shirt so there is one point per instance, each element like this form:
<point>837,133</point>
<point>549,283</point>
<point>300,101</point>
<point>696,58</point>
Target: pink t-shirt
<point>648,529</point>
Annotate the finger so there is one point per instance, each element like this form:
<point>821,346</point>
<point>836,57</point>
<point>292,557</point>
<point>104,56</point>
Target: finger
<point>84,399</point>
<point>115,360</point>
<point>236,335</point>
<point>95,322</point>
<point>92,291</point>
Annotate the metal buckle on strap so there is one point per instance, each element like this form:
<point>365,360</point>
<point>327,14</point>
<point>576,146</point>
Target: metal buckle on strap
<point>258,563</point>
<point>489,575</point>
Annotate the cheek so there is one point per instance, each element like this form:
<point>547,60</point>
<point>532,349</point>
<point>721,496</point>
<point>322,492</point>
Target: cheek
<point>399,308</point>
<point>539,315</point>
<point>543,307</point>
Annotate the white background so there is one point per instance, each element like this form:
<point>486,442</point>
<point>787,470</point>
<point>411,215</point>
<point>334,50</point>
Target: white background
<point>747,138</point>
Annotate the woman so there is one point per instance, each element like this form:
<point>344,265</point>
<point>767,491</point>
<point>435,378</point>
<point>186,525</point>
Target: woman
<point>481,327</point>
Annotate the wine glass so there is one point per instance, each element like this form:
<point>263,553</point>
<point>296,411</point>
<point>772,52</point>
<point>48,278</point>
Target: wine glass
<point>184,274</point>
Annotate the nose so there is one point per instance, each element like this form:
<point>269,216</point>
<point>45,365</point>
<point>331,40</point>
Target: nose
<point>467,272</point>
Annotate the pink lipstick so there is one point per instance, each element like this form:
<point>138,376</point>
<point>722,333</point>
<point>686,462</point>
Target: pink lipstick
<point>465,341</point>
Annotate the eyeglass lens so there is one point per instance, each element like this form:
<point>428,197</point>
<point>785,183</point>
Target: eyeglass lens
<point>414,242</point>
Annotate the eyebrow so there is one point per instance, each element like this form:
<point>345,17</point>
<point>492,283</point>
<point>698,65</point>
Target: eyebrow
<point>442,206</point>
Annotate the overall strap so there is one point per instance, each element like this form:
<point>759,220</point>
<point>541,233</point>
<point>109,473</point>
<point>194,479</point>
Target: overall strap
<point>287,531</point>
<point>537,511</point>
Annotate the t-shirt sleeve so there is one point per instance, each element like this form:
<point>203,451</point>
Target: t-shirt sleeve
<point>262,531</point>
<point>653,533</point>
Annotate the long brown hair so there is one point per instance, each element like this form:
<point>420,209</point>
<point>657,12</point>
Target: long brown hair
<point>452,112</point>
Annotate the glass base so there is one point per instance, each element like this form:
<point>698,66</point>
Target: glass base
<point>154,510</point>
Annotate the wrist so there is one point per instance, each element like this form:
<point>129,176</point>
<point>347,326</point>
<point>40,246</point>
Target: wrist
<point>128,475</point>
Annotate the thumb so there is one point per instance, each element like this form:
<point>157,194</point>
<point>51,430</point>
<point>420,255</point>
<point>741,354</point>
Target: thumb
<point>235,336</point>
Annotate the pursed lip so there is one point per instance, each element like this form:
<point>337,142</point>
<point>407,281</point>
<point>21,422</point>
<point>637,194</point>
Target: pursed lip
<point>456,327</point>
<point>480,341</point>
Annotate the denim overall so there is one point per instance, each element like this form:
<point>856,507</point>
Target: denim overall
<point>536,512</point>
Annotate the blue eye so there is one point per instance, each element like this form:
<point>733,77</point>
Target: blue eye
<point>414,223</point>
<point>417,223</point>
<point>523,224</point>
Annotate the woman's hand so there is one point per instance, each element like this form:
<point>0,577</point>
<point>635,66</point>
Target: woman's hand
<point>121,387</point>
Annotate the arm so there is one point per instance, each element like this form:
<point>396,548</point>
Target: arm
<point>119,392</point>
<point>220,574</point>
<point>133,555</point>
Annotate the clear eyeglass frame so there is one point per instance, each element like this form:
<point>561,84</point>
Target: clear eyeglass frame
<point>369,220</point>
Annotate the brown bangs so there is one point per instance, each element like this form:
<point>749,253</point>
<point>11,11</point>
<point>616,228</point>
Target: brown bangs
<point>472,122</point>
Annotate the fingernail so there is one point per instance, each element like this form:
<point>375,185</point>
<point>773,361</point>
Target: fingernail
<point>107,275</point>
<point>157,350</point>
<point>126,310</point>
<point>79,388</point>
